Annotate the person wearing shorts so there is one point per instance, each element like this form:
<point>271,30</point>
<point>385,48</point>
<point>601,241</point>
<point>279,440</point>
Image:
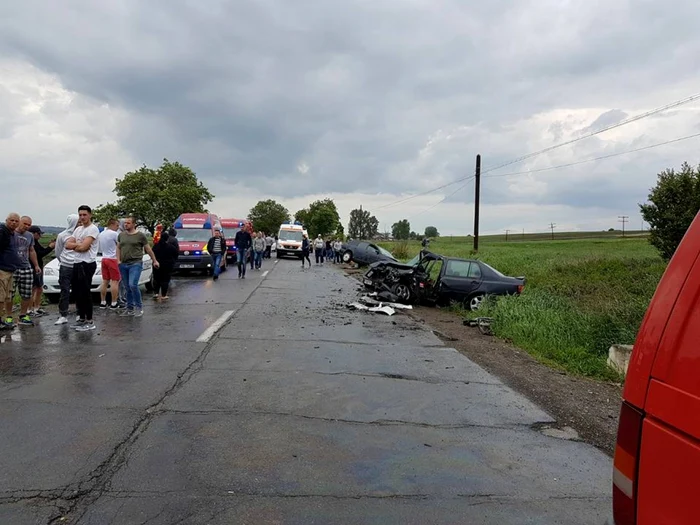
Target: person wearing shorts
<point>38,288</point>
<point>109,265</point>
<point>9,262</point>
<point>23,277</point>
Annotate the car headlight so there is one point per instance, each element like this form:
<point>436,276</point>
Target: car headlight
<point>50,271</point>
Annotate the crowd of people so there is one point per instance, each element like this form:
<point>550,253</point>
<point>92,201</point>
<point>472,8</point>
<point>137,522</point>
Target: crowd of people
<point>328,250</point>
<point>122,247</point>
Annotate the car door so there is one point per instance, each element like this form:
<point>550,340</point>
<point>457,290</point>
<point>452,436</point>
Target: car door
<point>373,253</point>
<point>460,279</point>
<point>428,279</point>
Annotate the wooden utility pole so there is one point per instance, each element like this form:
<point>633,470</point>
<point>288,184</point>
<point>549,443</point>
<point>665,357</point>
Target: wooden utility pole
<point>477,191</point>
<point>623,220</point>
<point>507,231</point>
<point>552,226</point>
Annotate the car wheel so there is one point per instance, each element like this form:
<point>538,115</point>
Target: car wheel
<point>403,292</point>
<point>347,257</point>
<point>279,255</point>
<point>474,302</point>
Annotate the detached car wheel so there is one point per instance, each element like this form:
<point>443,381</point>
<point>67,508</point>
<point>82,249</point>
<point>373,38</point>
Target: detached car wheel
<point>474,302</point>
<point>403,292</point>
<point>347,257</point>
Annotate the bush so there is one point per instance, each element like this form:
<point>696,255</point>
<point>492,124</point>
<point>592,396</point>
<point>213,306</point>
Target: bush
<point>400,250</point>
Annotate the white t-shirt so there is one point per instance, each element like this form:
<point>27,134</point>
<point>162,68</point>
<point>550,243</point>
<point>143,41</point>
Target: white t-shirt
<point>80,233</point>
<point>108,243</point>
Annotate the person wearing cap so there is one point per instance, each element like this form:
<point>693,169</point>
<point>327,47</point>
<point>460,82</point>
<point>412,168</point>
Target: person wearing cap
<point>38,284</point>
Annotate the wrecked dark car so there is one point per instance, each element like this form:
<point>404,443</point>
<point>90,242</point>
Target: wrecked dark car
<point>435,279</point>
<point>364,253</point>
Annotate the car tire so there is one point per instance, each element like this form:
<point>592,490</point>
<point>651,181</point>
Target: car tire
<point>279,255</point>
<point>474,302</point>
<point>347,257</point>
<point>403,292</point>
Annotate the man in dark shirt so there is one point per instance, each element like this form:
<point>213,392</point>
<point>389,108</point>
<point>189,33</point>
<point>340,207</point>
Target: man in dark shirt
<point>38,285</point>
<point>243,243</point>
<point>217,249</point>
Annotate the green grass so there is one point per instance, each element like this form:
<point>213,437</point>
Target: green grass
<point>581,296</point>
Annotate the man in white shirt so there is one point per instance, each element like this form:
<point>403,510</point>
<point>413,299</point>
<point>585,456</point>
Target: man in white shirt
<point>109,266</point>
<point>84,243</point>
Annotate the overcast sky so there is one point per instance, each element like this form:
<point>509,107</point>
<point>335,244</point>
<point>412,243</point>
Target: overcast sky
<point>367,102</point>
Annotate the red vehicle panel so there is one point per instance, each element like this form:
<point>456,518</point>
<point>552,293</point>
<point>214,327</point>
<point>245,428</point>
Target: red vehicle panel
<point>658,446</point>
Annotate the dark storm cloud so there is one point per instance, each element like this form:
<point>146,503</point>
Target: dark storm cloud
<point>248,91</point>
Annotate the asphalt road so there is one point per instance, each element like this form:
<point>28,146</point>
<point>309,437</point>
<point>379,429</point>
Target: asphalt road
<point>296,411</point>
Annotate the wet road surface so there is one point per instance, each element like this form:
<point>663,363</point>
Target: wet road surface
<point>296,411</point>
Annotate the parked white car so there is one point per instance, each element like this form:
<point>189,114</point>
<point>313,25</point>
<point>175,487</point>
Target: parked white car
<point>53,291</point>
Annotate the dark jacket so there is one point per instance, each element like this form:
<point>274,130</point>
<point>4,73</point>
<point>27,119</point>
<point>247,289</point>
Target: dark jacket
<point>210,245</point>
<point>41,252</point>
<point>166,254</point>
<point>305,245</point>
<point>243,240</point>
<point>9,260</point>
<point>172,240</point>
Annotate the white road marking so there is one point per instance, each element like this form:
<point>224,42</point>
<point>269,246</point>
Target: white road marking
<point>265,273</point>
<point>209,332</point>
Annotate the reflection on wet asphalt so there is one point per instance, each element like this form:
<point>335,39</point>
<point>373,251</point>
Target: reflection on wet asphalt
<point>297,411</point>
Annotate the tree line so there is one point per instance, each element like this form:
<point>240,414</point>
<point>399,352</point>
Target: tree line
<point>160,195</point>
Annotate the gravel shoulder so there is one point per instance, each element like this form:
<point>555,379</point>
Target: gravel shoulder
<point>588,406</point>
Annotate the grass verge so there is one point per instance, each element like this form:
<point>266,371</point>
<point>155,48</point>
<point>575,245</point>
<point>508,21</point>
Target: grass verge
<point>581,296</point>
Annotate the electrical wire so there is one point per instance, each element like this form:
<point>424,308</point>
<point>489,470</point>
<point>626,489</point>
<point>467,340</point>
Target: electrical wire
<point>444,199</point>
<point>550,148</point>
<point>536,170</point>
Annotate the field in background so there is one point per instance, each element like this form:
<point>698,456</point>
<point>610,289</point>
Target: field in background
<point>582,295</point>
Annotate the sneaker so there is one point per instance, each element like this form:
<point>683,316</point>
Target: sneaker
<point>103,305</point>
<point>114,306</point>
<point>138,313</point>
<point>26,320</point>
<point>40,312</point>
<point>85,327</point>
<point>9,322</point>
<point>61,320</point>
<point>78,322</point>
<point>126,313</point>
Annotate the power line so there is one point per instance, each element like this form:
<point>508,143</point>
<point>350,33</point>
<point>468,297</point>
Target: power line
<point>599,131</point>
<point>550,148</point>
<point>536,170</point>
<point>623,219</point>
<point>444,199</point>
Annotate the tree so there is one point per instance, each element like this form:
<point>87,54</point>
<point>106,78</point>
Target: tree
<point>413,236</point>
<point>431,231</point>
<point>401,230</point>
<point>157,196</point>
<point>320,218</point>
<point>268,215</point>
<point>673,204</point>
<point>302,216</point>
<point>362,224</point>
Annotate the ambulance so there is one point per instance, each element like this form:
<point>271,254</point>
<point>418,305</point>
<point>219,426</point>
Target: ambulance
<point>290,237</point>
<point>193,233</point>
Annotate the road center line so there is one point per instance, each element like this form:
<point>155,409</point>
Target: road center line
<point>209,332</point>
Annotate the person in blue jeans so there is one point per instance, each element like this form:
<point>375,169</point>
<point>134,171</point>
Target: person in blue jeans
<point>217,249</point>
<point>131,245</point>
<point>258,249</point>
<point>243,243</point>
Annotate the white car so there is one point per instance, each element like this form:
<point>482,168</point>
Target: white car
<point>53,291</point>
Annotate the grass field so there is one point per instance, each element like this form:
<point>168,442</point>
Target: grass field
<point>582,295</point>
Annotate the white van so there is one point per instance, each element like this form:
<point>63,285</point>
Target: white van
<point>290,237</point>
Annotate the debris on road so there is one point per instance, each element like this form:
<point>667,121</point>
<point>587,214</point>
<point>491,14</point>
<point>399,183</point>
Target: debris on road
<point>388,310</point>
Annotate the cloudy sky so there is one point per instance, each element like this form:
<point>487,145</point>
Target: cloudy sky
<point>367,102</point>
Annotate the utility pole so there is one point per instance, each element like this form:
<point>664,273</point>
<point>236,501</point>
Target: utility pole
<point>477,190</point>
<point>623,220</point>
<point>552,226</point>
<point>507,231</point>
